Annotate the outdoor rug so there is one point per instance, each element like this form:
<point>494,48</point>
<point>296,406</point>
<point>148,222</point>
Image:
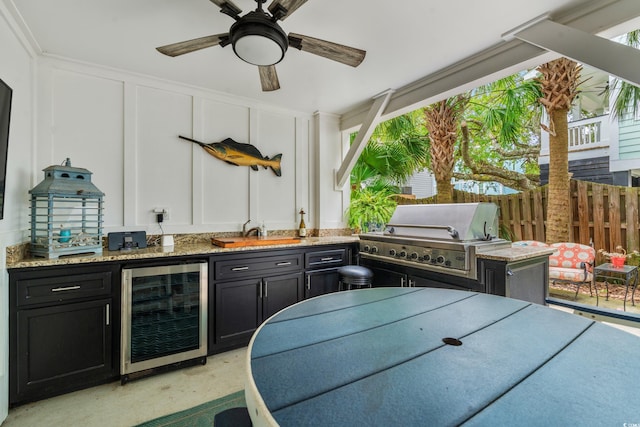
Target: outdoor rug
<point>199,416</point>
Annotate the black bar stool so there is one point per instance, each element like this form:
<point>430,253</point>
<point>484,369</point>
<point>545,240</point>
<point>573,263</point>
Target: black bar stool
<point>354,276</point>
<point>232,417</point>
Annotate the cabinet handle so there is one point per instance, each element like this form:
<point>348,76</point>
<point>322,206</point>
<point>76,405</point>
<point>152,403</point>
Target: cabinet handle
<point>282,264</point>
<point>411,283</point>
<point>308,282</point>
<point>108,317</point>
<point>402,282</point>
<point>266,289</point>
<point>239,268</point>
<point>66,288</point>
<point>327,259</point>
<point>260,295</point>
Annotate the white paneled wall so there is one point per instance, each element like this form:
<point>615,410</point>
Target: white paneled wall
<point>124,128</point>
<point>223,189</point>
<point>16,70</point>
<point>86,126</point>
<point>163,166</point>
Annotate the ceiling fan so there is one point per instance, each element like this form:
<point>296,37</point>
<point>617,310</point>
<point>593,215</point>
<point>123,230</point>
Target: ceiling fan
<point>257,38</point>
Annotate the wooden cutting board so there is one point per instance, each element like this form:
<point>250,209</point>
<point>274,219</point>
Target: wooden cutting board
<point>240,242</point>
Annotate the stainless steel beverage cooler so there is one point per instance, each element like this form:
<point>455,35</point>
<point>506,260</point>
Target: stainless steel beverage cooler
<point>164,317</point>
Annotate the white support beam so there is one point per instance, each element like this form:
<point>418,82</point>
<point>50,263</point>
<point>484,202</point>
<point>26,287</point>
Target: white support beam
<point>500,60</point>
<point>373,117</point>
<point>608,56</point>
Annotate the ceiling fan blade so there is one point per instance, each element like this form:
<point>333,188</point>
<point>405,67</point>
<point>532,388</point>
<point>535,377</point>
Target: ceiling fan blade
<point>290,6</point>
<point>187,46</point>
<point>269,78</point>
<point>228,7</point>
<point>334,51</point>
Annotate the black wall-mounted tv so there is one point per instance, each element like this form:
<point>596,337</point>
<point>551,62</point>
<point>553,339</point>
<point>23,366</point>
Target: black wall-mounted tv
<point>5,117</point>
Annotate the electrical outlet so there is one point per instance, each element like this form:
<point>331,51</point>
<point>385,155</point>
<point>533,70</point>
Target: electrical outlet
<point>163,211</point>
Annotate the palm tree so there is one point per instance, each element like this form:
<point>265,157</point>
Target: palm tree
<point>396,150</point>
<point>442,120</point>
<point>626,95</point>
<point>559,83</point>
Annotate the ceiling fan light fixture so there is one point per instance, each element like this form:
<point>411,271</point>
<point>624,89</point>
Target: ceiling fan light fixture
<point>258,40</point>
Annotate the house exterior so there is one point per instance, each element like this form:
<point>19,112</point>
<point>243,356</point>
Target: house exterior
<point>602,148</point>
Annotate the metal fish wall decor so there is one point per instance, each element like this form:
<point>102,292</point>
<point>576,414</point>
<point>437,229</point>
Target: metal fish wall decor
<point>240,154</point>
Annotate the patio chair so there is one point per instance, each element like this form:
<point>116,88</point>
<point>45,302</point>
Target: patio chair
<point>572,263</point>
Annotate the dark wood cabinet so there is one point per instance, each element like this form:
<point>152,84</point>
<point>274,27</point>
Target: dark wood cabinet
<point>321,270</point>
<point>394,275</point>
<point>321,282</point>
<point>61,331</point>
<point>248,288</point>
<point>64,321</point>
<point>242,305</point>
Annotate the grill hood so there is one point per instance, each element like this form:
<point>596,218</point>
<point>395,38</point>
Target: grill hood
<point>453,222</point>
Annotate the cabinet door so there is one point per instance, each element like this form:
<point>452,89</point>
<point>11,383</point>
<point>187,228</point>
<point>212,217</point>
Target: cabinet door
<point>238,311</point>
<point>383,277</point>
<point>280,292</point>
<point>321,282</point>
<point>62,348</point>
<point>423,282</point>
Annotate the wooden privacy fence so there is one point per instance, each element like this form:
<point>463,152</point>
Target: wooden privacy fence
<point>605,215</point>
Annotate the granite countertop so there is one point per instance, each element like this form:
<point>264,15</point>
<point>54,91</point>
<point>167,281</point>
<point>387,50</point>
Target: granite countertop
<point>515,253</point>
<point>509,254</point>
<point>180,249</point>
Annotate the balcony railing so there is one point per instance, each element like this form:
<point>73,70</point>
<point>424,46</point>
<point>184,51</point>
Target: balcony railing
<point>589,133</point>
<point>585,134</point>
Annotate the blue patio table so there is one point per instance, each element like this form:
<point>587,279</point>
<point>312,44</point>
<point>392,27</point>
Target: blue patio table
<point>435,357</point>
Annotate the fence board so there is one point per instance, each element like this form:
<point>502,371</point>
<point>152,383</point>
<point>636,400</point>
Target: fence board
<point>632,218</point>
<point>615,229</point>
<point>527,220</point>
<point>584,230</point>
<point>539,215</point>
<point>516,216</point>
<point>599,240</point>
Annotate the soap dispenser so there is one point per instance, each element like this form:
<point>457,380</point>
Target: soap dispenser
<point>263,230</point>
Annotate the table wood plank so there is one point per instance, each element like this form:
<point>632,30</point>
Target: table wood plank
<point>449,385</point>
<point>330,364</point>
<point>359,316</point>
<point>593,382</point>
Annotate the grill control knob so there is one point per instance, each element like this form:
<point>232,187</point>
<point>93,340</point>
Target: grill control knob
<point>440,259</point>
<point>392,252</point>
<point>414,255</point>
<point>374,250</point>
<point>427,257</point>
<point>366,248</point>
<point>403,254</point>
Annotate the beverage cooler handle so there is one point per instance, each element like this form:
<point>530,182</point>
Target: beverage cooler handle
<point>108,317</point>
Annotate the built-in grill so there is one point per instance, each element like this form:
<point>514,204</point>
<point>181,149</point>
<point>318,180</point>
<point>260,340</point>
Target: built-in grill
<point>443,238</point>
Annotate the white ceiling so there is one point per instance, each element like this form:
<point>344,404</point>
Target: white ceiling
<point>405,40</point>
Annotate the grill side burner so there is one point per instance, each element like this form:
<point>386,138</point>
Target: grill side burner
<point>442,238</point>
